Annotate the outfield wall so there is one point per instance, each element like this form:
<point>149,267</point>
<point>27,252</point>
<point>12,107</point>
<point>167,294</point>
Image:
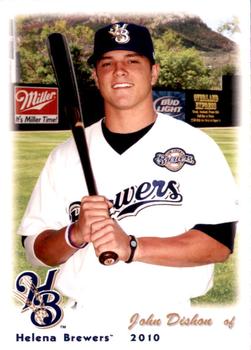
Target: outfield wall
<point>39,107</point>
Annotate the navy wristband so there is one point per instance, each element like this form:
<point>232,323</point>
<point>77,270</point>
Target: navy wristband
<point>68,239</point>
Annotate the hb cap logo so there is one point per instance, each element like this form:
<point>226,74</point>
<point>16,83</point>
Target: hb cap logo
<point>120,34</point>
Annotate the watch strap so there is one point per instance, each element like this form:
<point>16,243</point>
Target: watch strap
<point>133,245</point>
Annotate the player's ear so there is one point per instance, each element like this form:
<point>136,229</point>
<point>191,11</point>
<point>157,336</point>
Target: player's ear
<point>155,73</point>
<point>95,78</point>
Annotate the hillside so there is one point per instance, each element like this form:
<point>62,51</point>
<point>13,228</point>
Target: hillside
<point>216,49</point>
<point>193,31</point>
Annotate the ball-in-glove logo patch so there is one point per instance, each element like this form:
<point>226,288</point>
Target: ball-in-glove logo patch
<point>174,159</point>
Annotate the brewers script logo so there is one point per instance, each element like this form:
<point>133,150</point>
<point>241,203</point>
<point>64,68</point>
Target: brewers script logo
<point>42,300</point>
<point>131,200</point>
<point>174,159</point>
<point>120,34</point>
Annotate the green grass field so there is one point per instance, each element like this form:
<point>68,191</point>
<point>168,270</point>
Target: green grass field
<point>30,152</point>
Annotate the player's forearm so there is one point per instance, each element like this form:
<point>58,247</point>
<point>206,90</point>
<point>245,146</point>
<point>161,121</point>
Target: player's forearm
<point>192,248</point>
<point>51,247</point>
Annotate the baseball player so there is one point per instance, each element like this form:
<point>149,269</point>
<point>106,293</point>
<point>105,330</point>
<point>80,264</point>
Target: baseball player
<point>167,203</point>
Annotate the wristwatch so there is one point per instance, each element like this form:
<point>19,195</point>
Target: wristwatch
<point>133,245</point>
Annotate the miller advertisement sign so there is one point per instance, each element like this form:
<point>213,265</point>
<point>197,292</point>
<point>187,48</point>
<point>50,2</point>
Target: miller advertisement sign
<point>36,105</point>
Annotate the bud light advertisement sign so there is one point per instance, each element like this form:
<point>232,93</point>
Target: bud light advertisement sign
<point>170,102</point>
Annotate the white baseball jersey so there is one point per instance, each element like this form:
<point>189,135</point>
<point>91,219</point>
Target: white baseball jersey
<point>173,178</point>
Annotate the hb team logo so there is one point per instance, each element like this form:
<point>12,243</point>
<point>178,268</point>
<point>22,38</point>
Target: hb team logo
<point>120,33</point>
<point>174,159</point>
<point>42,300</point>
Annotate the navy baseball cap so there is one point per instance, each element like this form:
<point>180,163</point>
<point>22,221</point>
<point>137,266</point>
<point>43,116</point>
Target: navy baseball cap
<point>122,36</point>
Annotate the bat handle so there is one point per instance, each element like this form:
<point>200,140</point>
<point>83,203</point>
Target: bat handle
<point>108,258</point>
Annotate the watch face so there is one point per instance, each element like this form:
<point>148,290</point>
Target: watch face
<point>133,244</point>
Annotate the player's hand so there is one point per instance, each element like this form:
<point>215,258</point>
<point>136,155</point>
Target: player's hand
<point>107,235</point>
<point>93,209</point>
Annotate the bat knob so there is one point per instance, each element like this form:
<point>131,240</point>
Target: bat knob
<point>108,258</point>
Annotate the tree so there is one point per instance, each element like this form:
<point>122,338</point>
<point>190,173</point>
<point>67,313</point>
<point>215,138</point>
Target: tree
<point>34,62</point>
<point>181,68</point>
<point>230,27</point>
<point>169,41</point>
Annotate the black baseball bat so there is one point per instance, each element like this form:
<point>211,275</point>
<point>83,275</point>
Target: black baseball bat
<point>61,60</point>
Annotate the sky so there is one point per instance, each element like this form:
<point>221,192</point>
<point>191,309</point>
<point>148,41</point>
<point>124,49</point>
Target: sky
<point>213,12</point>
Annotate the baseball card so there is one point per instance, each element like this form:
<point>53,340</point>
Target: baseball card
<point>126,179</point>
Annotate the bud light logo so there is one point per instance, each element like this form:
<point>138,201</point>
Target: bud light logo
<point>173,105</point>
